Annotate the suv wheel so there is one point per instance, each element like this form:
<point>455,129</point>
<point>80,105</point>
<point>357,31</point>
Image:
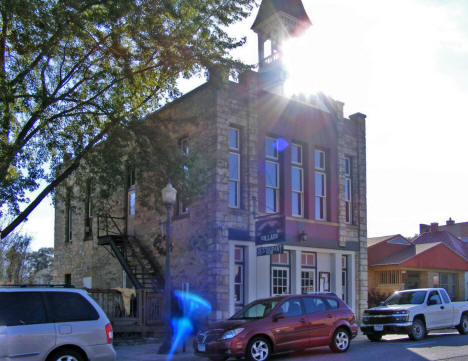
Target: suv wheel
<point>463,326</point>
<point>417,330</point>
<point>258,349</point>
<point>66,355</point>
<point>340,340</point>
<point>374,337</point>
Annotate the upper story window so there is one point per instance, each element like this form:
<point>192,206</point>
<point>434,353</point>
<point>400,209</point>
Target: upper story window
<point>320,185</point>
<point>184,146</point>
<point>348,191</point>
<point>69,218</point>
<point>234,168</point>
<point>89,212</point>
<point>297,181</point>
<point>272,184</point>
<point>131,192</point>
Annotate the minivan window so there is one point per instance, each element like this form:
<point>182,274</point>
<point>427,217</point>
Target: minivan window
<point>68,307</point>
<point>314,304</point>
<point>21,308</point>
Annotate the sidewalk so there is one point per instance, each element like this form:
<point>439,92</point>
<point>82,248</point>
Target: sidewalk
<point>134,351</point>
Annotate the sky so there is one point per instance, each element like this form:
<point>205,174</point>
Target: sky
<point>403,63</point>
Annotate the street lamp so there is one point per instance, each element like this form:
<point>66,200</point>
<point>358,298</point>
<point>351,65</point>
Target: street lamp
<point>169,196</point>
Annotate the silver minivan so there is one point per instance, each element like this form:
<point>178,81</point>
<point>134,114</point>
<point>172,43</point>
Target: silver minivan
<point>53,324</point>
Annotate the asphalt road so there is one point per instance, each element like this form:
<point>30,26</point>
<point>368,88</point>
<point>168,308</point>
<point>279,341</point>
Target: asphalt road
<point>437,346</point>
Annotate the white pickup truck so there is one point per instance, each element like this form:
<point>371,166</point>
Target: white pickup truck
<point>415,312</point>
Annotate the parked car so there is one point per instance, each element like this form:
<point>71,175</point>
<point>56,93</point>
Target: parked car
<point>415,312</point>
<point>285,323</point>
<point>39,324</point>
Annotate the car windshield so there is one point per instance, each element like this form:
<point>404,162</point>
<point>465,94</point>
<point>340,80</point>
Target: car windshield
<point>256,310</point>
<point>406,298</point>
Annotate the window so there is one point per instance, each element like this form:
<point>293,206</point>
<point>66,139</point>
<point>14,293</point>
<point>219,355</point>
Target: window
<point>21,308</point>
<point>348,192</point>
<point>239,275</point>
<point>314,304</point>
<point>89,212</point>
<point>234,168</point>
<point>389,277</point>
<point>67,279</point>
<point>324,280</point>
<point>447,281</point>
<point>331,303</point>
<point>291,308</point>
<point>434,298</point>
<point>69,219</point>
<point>68,307</point>
<point>280,274</point>
<point>320,186</point>
<point>297,181</point>
<point>267,48</point>
<point>131,192</point>
<point>184,147</point>
<point>308,272</point>
<point>344,278</point>
<point>271,176</point>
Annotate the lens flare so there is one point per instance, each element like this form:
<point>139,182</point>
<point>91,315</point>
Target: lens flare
<point>193,309</point>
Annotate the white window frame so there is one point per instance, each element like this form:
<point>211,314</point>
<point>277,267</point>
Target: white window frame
<point>297,165</point>
<point>348,191</point>
<point>321,171</point>
<point>273,160</point>
<point>288,285</point>
<point>307,288</point>
<point>236,152</point>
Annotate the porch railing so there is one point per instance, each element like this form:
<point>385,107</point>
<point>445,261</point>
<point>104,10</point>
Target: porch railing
<point>142,313</point>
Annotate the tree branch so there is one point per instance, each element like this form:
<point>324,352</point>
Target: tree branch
<point>46,191</point>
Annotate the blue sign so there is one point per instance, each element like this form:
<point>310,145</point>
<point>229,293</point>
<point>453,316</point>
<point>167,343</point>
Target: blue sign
<point>268,251</point>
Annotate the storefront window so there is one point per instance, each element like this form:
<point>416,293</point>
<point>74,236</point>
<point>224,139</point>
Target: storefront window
<point>308,272</point>
<point>280,274</point>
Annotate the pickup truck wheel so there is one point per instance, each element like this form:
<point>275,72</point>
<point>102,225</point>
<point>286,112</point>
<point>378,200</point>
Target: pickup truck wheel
<point>463,326</point>
<point>374,337</point>
<point>417,330</point>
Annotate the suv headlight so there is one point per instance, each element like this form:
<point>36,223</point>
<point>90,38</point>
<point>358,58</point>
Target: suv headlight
<point>232,333</point>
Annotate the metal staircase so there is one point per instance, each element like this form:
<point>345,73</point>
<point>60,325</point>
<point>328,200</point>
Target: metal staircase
<point>136,258</point>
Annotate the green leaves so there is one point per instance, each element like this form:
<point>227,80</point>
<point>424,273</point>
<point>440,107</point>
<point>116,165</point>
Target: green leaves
<point>71,68</point>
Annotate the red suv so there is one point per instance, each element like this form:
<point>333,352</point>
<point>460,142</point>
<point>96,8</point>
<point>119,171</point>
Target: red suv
<point>277,324</point>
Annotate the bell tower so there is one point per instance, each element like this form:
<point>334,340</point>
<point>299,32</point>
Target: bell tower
<point>276,22</point>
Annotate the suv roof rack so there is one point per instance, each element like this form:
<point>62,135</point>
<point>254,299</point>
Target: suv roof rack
<point>38,285</point>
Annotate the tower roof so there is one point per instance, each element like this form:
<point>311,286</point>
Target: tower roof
<point>294,8</point>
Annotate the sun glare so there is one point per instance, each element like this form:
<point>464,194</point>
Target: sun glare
<point>308,65</point>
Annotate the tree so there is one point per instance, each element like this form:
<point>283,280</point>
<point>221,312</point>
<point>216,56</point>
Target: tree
<point>74,73</point>
<point>13,258</point>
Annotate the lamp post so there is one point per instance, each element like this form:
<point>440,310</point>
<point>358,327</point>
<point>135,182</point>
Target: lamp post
<point>169,195</point>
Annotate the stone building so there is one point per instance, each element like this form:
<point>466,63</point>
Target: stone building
<point>285,209</point>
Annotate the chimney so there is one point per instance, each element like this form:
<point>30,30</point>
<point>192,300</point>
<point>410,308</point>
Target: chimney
<point>434,227</point>
<point>423,228</point>
<point>450,222</point>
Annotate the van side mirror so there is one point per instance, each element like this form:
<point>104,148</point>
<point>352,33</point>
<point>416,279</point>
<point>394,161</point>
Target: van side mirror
<point>278,316</point>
